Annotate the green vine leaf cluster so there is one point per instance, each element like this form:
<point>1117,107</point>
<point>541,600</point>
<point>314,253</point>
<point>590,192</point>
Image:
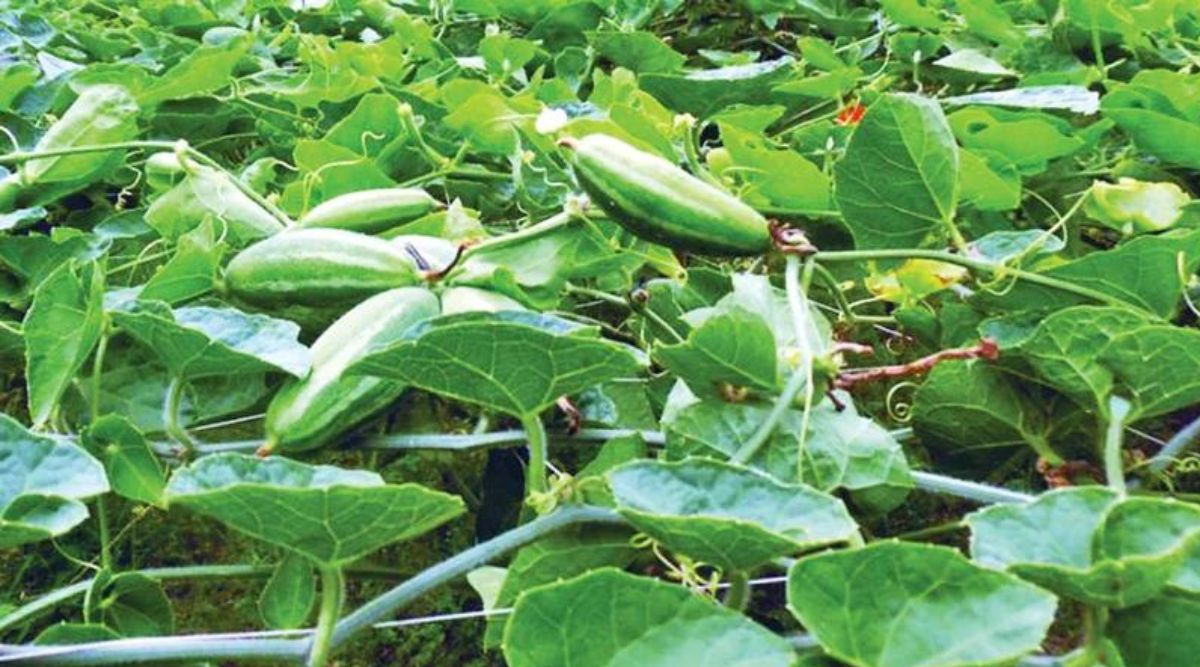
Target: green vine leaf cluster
<point>743,334</point>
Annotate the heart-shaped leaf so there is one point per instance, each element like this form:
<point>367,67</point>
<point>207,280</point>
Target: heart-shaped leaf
<point>843,450</point>
<point>608,617</point>
<point>704,92</point>
<point>560,556</point>
<point>895,604</point>
<point>287,600</point>
<point>201,341</point>
<point>734,347</point>
<point>1164,631</point>
<point>726,515</point>
<point>516,362</point>
<point>1063,350</point>
<point>132,604</point>
<point>42,480</point>
<point>133,469</point>
<point>1089,543</point>
<point>61,328</point>
<point>74,633</point>
<point>330,515</point>
<point>898,182</point>
<point>1143,272</point>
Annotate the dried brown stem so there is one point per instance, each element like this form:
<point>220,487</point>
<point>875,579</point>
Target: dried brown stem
<point>985,349</point>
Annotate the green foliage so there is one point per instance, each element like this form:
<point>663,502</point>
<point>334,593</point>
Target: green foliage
<point>543,294</point>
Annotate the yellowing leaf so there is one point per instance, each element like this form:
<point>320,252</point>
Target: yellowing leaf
<point>914,280</point>
<point>1132,206</point>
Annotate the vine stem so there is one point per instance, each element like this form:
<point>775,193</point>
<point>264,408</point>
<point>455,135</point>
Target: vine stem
<point>802,378</point>
<point>796,287</point>
<point>104,534</point>
<point>535,434</point>
<point>102,526</point>
<point>962,488</point>
<point>238,646</point>
<point>409,121</point>
<point>628,304</point>
<point>498,438</point>
<point>385,606</point>
<point>561,219</point>
<point>333,593</point>
<point>48,601</point>
<point>835,290</point>
<point>982,266</point>
<point>1095,618</point>
<point>17,157</point>
<point>170,416</point>
<point>1175,446</point>
<point>763,433</point>
<point>1114,438</point>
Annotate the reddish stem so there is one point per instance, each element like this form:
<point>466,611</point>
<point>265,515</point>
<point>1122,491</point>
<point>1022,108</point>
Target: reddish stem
<point>985,349</point>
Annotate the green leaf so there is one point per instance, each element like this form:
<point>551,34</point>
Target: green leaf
<point>12,343</point>
<point>287,600</point>
<point>102,114</point>
<point>638,51</point>
<point>561,556</point>
<point>132,604</point>
<point>912,13</point>
<point>1030,139</point>
<point>62,634</point>
<point>1131,206</point>
<point>989,181</point>
<point>1143,272</point>
<point>16,77</point>
<point>208,193</point>
<point>1103,550</point>
<point>736,347</point>
<point>973,410</point>
<point>205,69</point>
<point>705,92</point>
<point>1064,348</point>
<point>32,517</point>
<point>28,260</point>
<point>989,20</point>
<point>191,272</point>
<point>202,341</point>
<point>329,515</point>
<point>1163,631</point>
<point>726,515</point>
<point>132,467</point>
<point>487,120</point>
<point>534,264</point>
<point>608,617</point>
<point>134,388</point>
<point>775,177</point>
<point>898,182</point>
<point>515,362</point>
<point>974,62</point>
<point>895,604</point>
<point>1157,111</point>
<point>1003,246</point>
<point>843,449</point>
<point>1159,365</point>
<point>61,327</point>
<point>1066,98</point>
<point>42,480</point>
<point>833,85</point>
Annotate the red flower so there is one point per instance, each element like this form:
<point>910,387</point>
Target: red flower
<point>851,115</point>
